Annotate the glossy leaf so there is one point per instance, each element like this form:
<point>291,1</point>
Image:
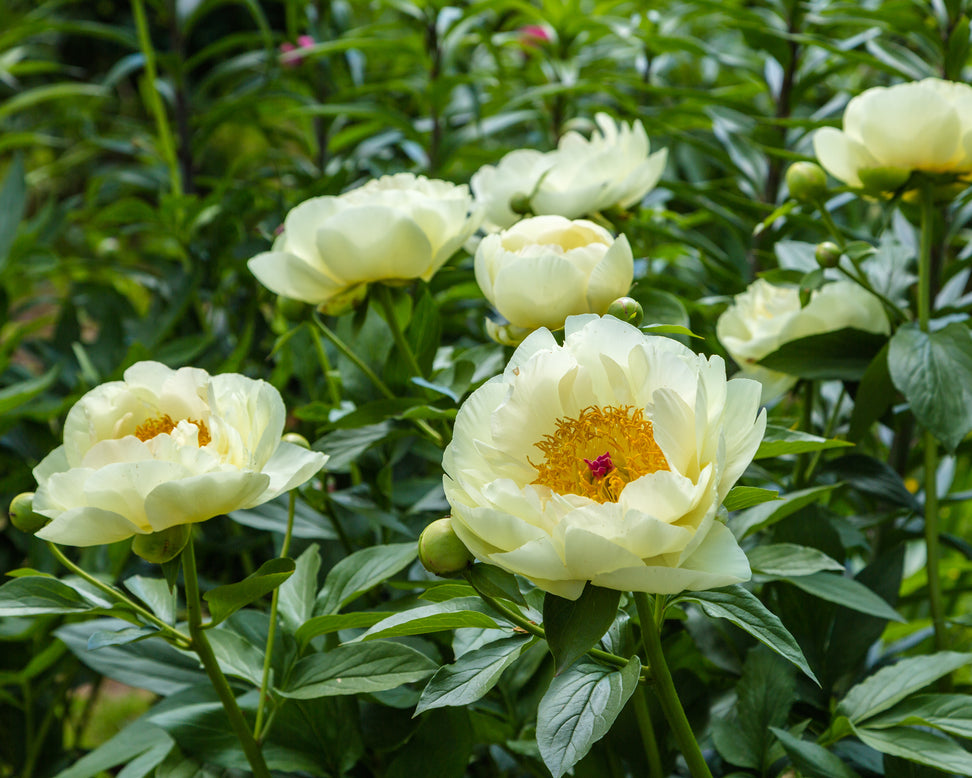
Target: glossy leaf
<point>359,572</point>
<point>225,600</point>
<point>573,627</point>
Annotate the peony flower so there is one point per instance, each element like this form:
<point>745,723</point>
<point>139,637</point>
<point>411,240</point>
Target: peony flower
<point>394,228</point>
<point>604,460</point>
<point>889,132</point>
<point>582,176</point>
<point>764,317</point>
<point>163,448</point>
<point>544,269</point>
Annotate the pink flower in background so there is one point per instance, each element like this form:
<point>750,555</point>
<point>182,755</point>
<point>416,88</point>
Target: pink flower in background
<point>534,35</point>
<point>303,42</point>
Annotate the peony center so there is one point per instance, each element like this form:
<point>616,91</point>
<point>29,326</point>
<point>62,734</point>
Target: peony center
<point>164,424</point>
<point>598,453</point>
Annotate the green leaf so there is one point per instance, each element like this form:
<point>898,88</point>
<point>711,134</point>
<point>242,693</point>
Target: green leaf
<point>494,582</point>
<point>359,572</point>
<point>138,738</point>
<point>225,600</point>
<point>119,637</point>
<point>579,708</point>
<point>296,599</point>
<point>741,497</point>
<point>890,685</point>
<point>441,747</point>
<point>919,745</point>
<point>844,591</point>
<point>874,395</point>
<point>357,668</point>
<point>437,617</point>
<point>155,593</point>
<point>573,627</point>
<point>742,608</point>
<point>765,693</point>
<point>471,675</point>
<point>778,441</point>
<point>843,354</point>
<point>236,655</point>
<point>13,200</point>
<point>35,595</point>
<point>812,760</point>
<point>873,477</point>
<point>933,370</point>
<point>745,523</point>
<point>15,395</point>
<point>950,713</point>
<point>333,622</point>
<point>790,559</point>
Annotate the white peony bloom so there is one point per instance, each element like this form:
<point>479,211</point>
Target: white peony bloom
<point>582,176</point>
<point>394,228</point>
<point>764,317</point>
<point>604,460</point>
<point>544,269</point>
<point>891,131</point>
<point>162,448</point>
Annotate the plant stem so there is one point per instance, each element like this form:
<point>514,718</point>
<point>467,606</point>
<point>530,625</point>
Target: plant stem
<point>528,626</point>
<point>322,357</point>
<point>200,644</point>
<point>272,628</point>
<point>932,549</point>
<point>383,294</point>
<point>180,637</point>
<point>665,688</point>
<point>647,733</point>
<point>155,100</point>
<point>806,424</point>
<point>382,387</point>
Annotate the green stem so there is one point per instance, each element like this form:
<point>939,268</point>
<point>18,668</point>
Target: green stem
<point>831,226</point>
<point>200,644</point>
<point>828,432</point>
<point>665,688</point>
<point>322,357</point>
<point>806,424</point>
<point>272,628</point>
<point>528,626</point>
<point>180,637</point>
<point>932,548</point>
<point>155,100</point>
<point>647,733</point>
<point>383,294</point>
<point>382,387</point>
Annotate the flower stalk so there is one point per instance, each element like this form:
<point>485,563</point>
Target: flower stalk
<point>665,688</point>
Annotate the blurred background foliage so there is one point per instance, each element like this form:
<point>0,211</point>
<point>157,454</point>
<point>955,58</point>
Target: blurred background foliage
<point>148,149</point>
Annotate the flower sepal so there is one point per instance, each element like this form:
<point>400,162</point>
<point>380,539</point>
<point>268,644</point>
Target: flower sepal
<point>163,546</point>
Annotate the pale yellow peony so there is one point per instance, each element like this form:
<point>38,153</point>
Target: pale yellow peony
<point>162,448</point>
<point>604,460</point>
<point>764,317</point>
<point>544,269</point>
<point>581,177</point>
<point>394,228</point>
<point>889,132</point>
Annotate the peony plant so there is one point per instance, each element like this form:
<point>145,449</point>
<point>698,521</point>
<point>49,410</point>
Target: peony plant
<point>546,268</point>
<point>392,229</point>
<point>612,168</point>
<point>604,460</point>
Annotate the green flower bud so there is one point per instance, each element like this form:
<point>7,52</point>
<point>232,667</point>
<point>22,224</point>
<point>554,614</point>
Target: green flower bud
<point>296,438</point>
<point>22,516</point>
<point>628,310</point>
<point>827,254</point>
<point>159,547</point>
<point>440,550</point>
<point>806,181</point>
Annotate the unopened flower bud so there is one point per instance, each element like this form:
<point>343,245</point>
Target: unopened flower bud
<point>827,254</point>
<point>806,181</point>
<point>296,438</point>
<point>628,310</point>
<point>22,516</point>
<point>162,546</point>
<point>440,550</point>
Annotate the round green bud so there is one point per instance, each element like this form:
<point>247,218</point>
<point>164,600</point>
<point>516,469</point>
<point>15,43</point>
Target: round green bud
<point>22,516</point>
<point>806,181</point>
<point>628,310</point>
<point>296,438</point>
<point>162,546</point>
<point>827,254</point>
<point>440,550</point>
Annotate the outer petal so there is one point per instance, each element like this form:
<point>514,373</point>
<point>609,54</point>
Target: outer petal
<point>289,467</point>
<point>202,497</point>
<point>288,275</point>
<point>87,526</point>
<point>841,155</point>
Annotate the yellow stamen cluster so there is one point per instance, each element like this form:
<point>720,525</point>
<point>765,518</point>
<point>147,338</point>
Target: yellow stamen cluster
<point>623,432</point>
<point>149,428</point>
